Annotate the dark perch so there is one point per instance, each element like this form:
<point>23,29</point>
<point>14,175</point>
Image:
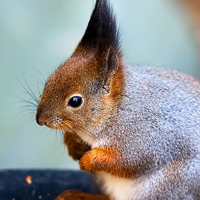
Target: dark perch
<point>46,184</point>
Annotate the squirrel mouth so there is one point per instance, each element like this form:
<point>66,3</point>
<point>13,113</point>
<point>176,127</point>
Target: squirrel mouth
<point>53,122</point>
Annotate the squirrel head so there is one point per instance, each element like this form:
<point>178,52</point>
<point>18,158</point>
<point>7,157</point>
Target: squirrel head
<point>87,87</point>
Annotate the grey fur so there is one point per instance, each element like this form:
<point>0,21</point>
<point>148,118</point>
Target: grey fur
<point>158,126</point>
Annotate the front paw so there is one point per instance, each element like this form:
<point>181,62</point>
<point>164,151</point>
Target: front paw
<point>76,152</point>
<point>89,162</point>
<point>108,160</point>
<point>99,159</point>
<point>76,147</point>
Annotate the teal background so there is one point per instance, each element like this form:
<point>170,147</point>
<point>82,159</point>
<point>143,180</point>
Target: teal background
<point>37,36</point>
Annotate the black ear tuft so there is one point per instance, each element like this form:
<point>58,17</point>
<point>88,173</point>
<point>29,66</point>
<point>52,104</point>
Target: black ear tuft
<point>102,32</point>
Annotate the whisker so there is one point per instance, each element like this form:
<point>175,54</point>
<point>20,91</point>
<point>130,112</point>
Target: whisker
<point>37,79</point>
<point>23,109</point>
<point>63,132</point>
<point>29,103</point>
<point>81,129</point>
<point>32,94</point>
<point>28,117</point>
<point>24,100</point>
<point>64,123</point>
<point>87,133</point>
<point>62,129</point>
<point>30,106</point>
<point>26,105</point>
<point>40,75</point>
<point>38,90</point>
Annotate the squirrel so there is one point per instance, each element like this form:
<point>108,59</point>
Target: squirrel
<point>136,128</point>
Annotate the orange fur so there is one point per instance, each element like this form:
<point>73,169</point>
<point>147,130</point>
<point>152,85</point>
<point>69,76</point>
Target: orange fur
<point>117,84</point>
<point>76,147</point>
<point>78,195</point>
<point>105,159</point>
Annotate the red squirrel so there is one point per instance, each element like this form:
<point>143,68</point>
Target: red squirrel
<point>136,128</point>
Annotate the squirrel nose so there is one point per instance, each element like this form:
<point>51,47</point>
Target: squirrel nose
<point>41,118</point>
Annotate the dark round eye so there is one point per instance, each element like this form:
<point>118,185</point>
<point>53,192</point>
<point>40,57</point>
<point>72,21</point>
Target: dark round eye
<point>75,102</point>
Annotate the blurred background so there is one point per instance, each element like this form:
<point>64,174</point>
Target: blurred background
<point>37,36</point>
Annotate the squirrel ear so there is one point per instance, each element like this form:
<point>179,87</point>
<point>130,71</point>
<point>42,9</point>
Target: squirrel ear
<point>112,62</point>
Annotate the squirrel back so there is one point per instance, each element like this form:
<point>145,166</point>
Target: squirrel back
<point>137,128</point>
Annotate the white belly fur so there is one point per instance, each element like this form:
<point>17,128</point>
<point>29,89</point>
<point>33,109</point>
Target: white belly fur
<point>127,189</point>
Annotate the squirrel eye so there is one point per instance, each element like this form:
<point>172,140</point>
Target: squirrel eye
<point>75,102</point>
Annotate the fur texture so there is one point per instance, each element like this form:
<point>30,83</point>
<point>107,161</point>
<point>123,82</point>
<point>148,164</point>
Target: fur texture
<point>138,128</point>
<point>157,133</point>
